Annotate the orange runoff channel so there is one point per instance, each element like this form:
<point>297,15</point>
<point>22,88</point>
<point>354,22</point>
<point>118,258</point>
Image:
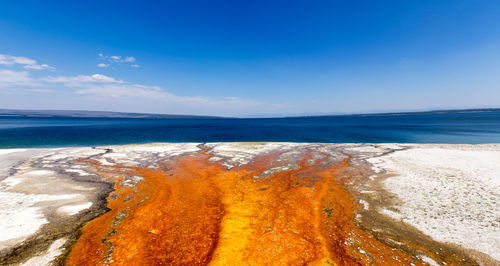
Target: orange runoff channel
<point>192,211</point>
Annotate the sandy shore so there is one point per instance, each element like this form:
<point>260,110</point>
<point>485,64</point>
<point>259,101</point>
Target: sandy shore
<point>433,203</point>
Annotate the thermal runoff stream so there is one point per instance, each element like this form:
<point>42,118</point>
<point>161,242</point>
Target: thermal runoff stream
<point>250,204</point>
<point>193,211</point>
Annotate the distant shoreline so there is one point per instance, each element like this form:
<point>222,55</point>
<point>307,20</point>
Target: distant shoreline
<point>106,114</point>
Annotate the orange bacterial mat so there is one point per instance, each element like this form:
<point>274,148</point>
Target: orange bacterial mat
<point>193,211</point>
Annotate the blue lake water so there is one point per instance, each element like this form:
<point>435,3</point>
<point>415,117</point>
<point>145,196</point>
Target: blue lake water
<point>468,127</point>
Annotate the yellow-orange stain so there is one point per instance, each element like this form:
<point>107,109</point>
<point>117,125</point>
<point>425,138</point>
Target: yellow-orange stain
<point>192,211</point>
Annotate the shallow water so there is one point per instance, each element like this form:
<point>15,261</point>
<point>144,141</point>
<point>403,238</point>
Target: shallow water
<point>467,127</point>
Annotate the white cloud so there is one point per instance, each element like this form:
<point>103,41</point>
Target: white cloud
<point>108,91</point>
<point>129,59</point>
<point>9,78</point>
<point>10,60</point>
<point>118,59</point>
<point>41,90</point>
<point>39,67</point>
<point>152,95</point>
<point>26,62</point>
<point>79,80</point>
<point>117,90</point>
<point>102,85</point>
<point>105,87</point>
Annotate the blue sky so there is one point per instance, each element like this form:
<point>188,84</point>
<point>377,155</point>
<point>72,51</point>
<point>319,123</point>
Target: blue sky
<point>249,58</point>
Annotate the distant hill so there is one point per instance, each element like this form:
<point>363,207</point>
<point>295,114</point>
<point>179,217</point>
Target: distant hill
<point>476,110</point>
<point>105,114</point>
<point>91,114</point>
<point>410,112</point>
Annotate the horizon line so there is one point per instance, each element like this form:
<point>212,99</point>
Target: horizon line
<point>118,114</point>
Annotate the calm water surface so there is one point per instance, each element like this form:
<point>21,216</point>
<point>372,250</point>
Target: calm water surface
<point>478,127</point>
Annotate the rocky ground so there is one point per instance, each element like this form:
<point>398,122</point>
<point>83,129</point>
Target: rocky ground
<point>251,203</point>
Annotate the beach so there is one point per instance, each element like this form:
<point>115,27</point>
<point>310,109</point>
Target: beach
<point>253,203</point>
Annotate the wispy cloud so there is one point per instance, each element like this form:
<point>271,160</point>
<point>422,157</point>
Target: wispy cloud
<point>120,90</point>
<point>129,59</point>
<point>13,78</point>
<point>81,80</point>
<point>26,62</point>
<point>105,87</point>
<point>116,59</point>
<point>103,90</point>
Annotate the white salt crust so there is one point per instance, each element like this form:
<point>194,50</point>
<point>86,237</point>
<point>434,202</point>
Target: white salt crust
<point>7,151</point>
<point>54,250</point>
<point>240,153</point>
<point>19,214</point>
<point>449,192</point>
<point>74,209</point>
<point>27,196</point>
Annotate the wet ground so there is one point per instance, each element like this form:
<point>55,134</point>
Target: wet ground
<point>230,204</point>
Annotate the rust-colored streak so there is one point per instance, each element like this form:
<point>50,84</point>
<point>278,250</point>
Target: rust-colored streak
<point>196,212</point>
<point>178,222</point>
<point>172,217</point>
